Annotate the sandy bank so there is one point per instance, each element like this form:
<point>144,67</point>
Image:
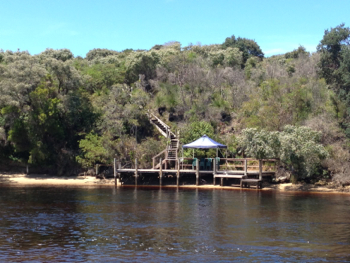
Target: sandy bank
<point>47,180</point>
<point>42,179</point>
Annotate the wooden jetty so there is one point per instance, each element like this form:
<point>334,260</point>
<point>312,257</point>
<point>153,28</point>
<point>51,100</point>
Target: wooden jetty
<point>246,171</point>
<point>167,163</point>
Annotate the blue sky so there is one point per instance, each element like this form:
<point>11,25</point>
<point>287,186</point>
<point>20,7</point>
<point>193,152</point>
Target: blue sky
<point>278,26</point>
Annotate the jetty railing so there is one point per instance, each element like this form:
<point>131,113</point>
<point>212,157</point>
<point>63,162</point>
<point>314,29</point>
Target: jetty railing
<point>249,164</point>
<point>155,159</point>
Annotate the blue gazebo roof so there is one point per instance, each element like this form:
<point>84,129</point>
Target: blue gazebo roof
<point>204,142</point>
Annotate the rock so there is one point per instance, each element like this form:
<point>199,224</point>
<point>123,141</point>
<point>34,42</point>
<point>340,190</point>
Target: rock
<point>90,172</point>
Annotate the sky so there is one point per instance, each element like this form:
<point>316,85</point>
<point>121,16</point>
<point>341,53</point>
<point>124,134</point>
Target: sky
<point>278,26</point>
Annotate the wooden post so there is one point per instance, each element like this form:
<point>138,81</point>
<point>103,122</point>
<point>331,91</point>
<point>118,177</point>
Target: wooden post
<point>160,171</point>
<point>178,173</point>
<point>27,169</point>
<point>214,171</point>
<point>136,172</point>
<point>197,172</point>
<point>97,169</point>
<point>119,174</point>
<point>115,171</point>
<point>260,170</point>
<point>221,181</point>
<point>245,167</point>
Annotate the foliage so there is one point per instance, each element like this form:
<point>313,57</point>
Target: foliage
<point>194,131</point>
<point>99,53</point>
<point>296,53</point>
<point>297,147</point>
<point>260,144</point>
<point>93,150</point>
<point>247,46</point>
<point>334,66</point>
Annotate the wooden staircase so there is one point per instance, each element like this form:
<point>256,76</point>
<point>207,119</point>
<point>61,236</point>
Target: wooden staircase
<point>171,151</point>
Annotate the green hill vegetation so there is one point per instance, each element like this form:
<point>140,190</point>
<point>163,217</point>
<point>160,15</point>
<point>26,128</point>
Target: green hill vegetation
<point>64,112</point>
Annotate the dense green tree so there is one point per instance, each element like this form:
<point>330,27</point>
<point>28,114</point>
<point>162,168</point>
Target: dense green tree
<point>247,46</point>
<point>335,65</point>
<point>297,147</point>
<point>60,54</point>
<point>296,53</point>
<point>333,47</point>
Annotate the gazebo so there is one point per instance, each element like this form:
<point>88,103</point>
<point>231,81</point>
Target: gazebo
<point>204,142</point>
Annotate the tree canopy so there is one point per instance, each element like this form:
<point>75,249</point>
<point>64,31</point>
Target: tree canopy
<point>247,46</point>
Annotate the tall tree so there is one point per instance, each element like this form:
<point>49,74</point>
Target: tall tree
<point>335,66</point>
<point>333,47</point>
<point>247,46</point>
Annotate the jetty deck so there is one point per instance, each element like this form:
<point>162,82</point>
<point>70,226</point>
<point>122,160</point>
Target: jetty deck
<point>246,170</point>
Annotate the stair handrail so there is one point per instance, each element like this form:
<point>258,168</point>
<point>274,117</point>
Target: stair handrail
<point>150,114</point>
<point>159,154</point>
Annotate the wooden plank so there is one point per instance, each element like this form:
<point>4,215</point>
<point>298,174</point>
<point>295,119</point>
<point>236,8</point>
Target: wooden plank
<point>260,169</point>
<point>127,170</point>
<point>119,168</point>
<point>251,180</point>
<point>227,176</point>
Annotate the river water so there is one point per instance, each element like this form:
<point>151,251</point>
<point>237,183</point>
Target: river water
<point>45,224</point>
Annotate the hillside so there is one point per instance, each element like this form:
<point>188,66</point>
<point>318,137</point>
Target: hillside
<point>64,112</point>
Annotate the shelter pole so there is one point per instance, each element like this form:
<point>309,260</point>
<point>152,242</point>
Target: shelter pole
<point>119,168</point>
<point>182,158</point>
<point>197,172</point>
<point>160,171</point>
<point>214,171</point>
<point>217,152</point>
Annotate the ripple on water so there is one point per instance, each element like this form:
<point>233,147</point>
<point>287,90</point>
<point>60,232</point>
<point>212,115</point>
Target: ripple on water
<point>79,225</point>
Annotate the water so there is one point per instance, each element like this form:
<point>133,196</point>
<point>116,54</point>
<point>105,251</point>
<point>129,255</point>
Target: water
<point>104,224</point>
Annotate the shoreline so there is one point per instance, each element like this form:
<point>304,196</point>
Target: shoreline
<point>21,179</point>
<point>18,179</point>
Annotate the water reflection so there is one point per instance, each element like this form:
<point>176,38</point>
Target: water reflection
<point>158,224</point>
